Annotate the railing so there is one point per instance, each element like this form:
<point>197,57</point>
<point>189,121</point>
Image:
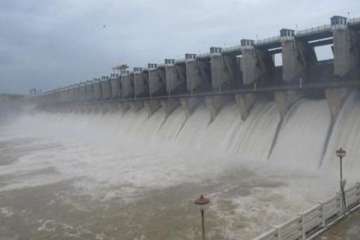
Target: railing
<point>354,21</point>
<point>316,220</point>
<point>253,89</point>
<point>314,30</point>
<point>266,41</point>
<point>180,60</point>
<point>203,55</point>
<point>232,49</point>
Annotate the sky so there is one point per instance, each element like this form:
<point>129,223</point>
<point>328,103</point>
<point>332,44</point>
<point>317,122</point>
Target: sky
<point>47,44</point>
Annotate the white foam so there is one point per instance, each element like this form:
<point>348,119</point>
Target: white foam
<point>122,155</point>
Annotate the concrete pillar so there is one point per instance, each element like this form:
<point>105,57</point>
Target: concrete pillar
<point>68,94</point>
<point>115,86</point>
<point>175,79</point>
<point>141,87</point>
<point>73,93</point>
<point>239,74</point>
<point>198,75</point>
<point>82,92</point>
<point>257,65</point>
<point>178,86</point>
<point>193,77</point>
<point>77,90</point>
<point>127,87</point>
<point>63,95</point>
<point>223,75</point>
<point>106,88</point>
<point>346,49</point>
<point>297,57</point>
<point>205,73</point>
<point>132,82</point>
<point>56,96</point>
<point>223,72</point>
<point>346,62</point>
<point>245,103</point>
<point>97,89</point>
<point>90,94</point>
<point>157,82</point>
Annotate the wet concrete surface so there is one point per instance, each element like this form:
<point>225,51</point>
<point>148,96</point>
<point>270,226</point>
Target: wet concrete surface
<point>346,229</point>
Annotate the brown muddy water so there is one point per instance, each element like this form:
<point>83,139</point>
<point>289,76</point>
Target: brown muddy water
<point>110,176</point>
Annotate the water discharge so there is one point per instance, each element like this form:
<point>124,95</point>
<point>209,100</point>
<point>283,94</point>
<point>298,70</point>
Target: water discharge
<point>125,175</point>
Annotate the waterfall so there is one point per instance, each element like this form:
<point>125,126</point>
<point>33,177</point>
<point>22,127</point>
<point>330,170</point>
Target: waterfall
<point>264,170</point>
<point>300,138</point>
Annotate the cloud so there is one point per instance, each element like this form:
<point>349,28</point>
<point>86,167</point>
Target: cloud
<point>48,44</point>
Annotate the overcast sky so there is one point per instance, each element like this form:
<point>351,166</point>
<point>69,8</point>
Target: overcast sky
<point>51,43</point>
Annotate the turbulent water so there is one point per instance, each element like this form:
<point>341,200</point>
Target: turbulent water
<point>130,176</point>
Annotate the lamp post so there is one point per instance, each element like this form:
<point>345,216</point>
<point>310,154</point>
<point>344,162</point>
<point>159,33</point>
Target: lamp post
<point>341,153</point>
<point>202,202</point>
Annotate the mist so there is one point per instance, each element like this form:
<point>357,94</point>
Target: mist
<point>126,165</point>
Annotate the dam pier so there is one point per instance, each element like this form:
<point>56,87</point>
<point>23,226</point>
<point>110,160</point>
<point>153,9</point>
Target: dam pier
<point>283,68</point>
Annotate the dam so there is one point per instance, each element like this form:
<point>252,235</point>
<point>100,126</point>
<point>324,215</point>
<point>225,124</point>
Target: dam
<point>246,75</point>
<point>123,156</point>
<point>239,73</point>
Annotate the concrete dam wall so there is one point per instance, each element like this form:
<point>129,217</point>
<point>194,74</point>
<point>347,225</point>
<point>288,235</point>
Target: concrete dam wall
<point>241,74</point>
<point>246,77</point>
